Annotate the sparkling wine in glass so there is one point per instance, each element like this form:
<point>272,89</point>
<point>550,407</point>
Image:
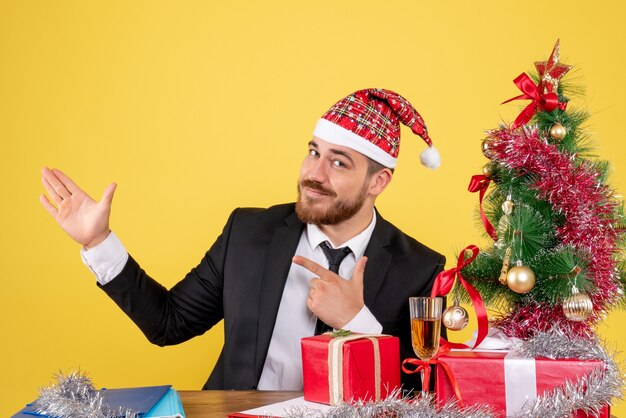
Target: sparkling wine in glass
<point>425,330</point>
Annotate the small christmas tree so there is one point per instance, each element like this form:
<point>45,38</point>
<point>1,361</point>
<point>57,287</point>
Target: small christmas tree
<point>557,227</point>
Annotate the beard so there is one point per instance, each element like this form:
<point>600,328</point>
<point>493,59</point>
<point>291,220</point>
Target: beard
<point>338,211</point>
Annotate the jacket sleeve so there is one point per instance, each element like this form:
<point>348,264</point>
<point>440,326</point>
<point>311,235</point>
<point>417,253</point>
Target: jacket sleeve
<point>190,308</point>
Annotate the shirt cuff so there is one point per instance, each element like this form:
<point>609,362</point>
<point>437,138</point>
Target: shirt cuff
<point>364,322</point>
<point>107,259</point>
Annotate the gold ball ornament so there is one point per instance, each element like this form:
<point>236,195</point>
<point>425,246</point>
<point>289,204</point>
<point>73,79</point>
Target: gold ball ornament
<point>578,306</point>
<point>520,278</point>
<point>486,147</point>
<point>558,131</point>
<point>455,317</point>
<point>488,170</point>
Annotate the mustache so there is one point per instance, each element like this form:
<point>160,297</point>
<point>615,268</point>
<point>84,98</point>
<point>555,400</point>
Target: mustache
<point>317,186</point>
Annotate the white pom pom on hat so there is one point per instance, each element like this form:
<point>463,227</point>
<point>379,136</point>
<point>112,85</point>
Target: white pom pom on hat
<point>368,121</point>
<point>430,158</point>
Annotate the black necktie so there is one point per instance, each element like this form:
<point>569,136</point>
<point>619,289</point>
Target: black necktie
<point>334,257</point>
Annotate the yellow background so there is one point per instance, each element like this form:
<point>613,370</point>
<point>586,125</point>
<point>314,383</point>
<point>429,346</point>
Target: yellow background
<point>197,107</point>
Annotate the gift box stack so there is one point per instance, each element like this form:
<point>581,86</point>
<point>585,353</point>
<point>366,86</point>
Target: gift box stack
<point>350,368</point>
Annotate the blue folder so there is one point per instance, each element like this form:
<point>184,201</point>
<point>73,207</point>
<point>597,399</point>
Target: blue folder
<point>149,401</point>
<point>170,405</point>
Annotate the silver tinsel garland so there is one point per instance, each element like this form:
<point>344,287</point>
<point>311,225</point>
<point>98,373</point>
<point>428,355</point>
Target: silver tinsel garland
<point>74,396</point>
<point>396,407</point>
<point>589,393</point>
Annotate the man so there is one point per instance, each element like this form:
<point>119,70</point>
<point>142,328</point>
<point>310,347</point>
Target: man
<point>266,276</point>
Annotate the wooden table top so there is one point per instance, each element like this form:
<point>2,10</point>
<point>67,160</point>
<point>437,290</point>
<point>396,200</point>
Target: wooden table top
<point>220,403</point>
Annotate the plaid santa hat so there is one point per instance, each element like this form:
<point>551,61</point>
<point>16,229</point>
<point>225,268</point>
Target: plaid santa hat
<point>368,121</point>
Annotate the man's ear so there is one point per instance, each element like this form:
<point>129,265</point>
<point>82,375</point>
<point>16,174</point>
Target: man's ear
<point>380,180</point>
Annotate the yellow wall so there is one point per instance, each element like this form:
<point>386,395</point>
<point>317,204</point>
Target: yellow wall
<point>197,107</point>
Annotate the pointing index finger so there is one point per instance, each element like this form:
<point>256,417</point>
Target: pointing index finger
<point>310,265</point>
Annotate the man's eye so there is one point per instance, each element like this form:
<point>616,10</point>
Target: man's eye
<point>338,163</point>
<point>313,153</point>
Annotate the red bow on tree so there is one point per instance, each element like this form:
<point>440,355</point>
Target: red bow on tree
<point>544,96</point>
<point>548,101</point>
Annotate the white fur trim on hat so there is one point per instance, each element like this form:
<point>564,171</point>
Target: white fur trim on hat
<point>335,134</point>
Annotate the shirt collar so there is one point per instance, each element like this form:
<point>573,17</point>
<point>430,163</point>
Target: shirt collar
<point>357,244</point>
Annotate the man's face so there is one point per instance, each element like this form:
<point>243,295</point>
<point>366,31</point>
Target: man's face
<point>333,184</point>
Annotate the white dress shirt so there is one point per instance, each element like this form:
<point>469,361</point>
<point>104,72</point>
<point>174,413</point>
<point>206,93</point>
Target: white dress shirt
<point>283,365</point>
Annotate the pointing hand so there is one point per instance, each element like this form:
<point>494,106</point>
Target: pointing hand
<point>334,300</point>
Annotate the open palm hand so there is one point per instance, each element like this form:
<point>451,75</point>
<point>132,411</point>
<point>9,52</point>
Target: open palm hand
<point>81,217</point>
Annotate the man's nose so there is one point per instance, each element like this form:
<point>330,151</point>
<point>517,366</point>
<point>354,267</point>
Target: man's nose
<point>317,171</point>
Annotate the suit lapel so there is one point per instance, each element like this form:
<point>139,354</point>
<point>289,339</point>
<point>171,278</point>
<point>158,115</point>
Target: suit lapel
<point>280,252</point>
<point>378,259</point>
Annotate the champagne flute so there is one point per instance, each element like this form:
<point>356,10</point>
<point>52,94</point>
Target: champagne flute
<point>425,331</point>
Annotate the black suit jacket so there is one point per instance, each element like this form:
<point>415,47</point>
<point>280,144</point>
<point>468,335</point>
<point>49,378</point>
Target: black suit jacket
<point>241,280</point>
